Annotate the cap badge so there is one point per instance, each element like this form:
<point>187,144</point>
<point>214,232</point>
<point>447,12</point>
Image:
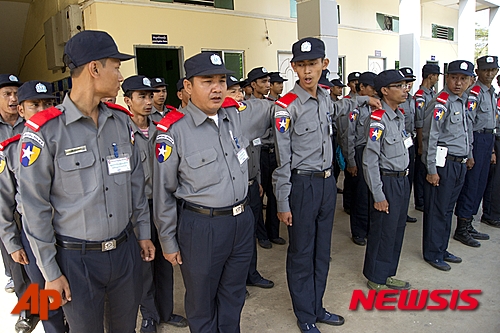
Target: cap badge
<point>264,70</point>
<point>146,82</point>
<point>356,75</point>
<point>40,88</point>
<point>327,76</point>
<point>408,71</point>
<point>13,78</point>
<point>232,78</point>
<point>158,80</point>
<point>464,66</point>
<point>215,59</point>
<point>305,47</point>
<point>489,59</point>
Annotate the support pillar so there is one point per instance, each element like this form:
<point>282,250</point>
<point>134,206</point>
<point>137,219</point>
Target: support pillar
<point>494,32</point>
<point>466,29</point>
<point>409,36</point>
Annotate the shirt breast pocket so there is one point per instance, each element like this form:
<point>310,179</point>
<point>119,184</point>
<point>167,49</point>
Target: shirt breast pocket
<point>145,164</point>
<point>78,176</point>
<point>393,146</point>
<point>306,132</point>
<point>485,108</point>
<point>456,119</point>
<point>203,169</point>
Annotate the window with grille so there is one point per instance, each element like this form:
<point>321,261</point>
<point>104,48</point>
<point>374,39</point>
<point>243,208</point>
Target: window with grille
<point>441,32</point>
<point>388,22</point>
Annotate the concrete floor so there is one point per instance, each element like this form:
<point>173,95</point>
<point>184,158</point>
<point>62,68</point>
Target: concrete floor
<point>270,310</point>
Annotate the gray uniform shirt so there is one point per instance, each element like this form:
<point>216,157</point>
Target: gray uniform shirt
<point>302,133</point>
<point>384,149</point>
<point>145,146</point>
<point>157,115</point>
<point>8,131</point>
<point>359,119</point>
<point>9,197</point>
<point>483,115</point>
<point>68,190</point>
<point>408,107</point>
<point>446,126</point>
<point>421,103</point>
<point>196,161</point>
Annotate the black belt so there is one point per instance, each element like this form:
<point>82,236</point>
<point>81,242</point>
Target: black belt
<point>456,158</point>
<point>320,174</point>
<point>268,148</point>
<point>224,211</point>
<point>397,174</point>
<point>103,246</point>
<point>251,181</point>
<point>487,131</point>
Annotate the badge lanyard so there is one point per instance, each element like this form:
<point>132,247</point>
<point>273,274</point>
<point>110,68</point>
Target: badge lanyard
<point>118,163</point>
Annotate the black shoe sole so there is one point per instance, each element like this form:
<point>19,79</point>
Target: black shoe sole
<point>333,323</point>
<point>479,236</point>
<point>359,242</point>
<point>468,243</point>
<point>453,261</point>
<point>441,268</point>
<point>491,223</point>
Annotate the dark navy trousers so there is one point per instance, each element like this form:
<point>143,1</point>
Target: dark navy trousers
<point>312,203</point>
<point>385,237</point>
<point>360,199</point>
<point>255,203</point>
<point>347,190</point>
<point>491,198</point>
<point>55,323</point>
<point>418,177</point>
<point>438,209</point>
<point>216,253</point>
<point>94,276</point>
<point>267,165</point>
<point>476,178</point>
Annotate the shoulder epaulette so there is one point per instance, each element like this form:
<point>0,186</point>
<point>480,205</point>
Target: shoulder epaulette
<point>377,114</point>
<point>475,90</point>
<point>402,110</point>
<point>286,100</point>
<point>324,86</point>
<point>170,107</point>
<point>119,107</point>
<point>170,118</point>
<point>419,93</point>
<point>229,102</point>
<point>443,97</point>
<point>40,118</point>
<point>346,96</point>
<point>4,144</point>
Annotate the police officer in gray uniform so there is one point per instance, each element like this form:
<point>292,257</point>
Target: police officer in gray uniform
<point>159,98</point>
<point>423,96</point>
<point>447,141</point>
<point>33,96</point>
<point>359,120</point>
<point>482,103</point>
<point>408,108</point>
<point>491,201</point>
<point>201,183</point>
<point>82,188</point>
<point>385,163</point>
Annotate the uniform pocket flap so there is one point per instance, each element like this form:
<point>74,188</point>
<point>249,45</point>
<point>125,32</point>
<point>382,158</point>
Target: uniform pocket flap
<point>201,158</point>
<point>304,128</point>
<point>76,161</point>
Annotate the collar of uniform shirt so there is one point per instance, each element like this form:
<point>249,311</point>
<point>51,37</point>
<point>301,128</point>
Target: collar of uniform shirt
<point>388,111</point>
<point>199,117</point>
<point>72,113</point>
<point>483,87</point>
<point>304,95</point>
<point>18,121</point>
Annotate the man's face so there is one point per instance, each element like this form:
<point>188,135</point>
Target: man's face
<point>352,84</point>
<point>140,103</point>
<point>235,92</point>
<point>366,90</point>
<point>277,88</point>
<point>207,92</point>
<point>336,91</point>
<point>433,78</point>
<point>8,100</point>
<point>160,96</point>
<point>396,92</point>
<point>457,83</point>
<point>262,85</point>
<point>486,76</point>
<point>183,96</point>
<point>309,72</point>
<point>30,107</point>
<point>110,77</point>
<point>248,90</point>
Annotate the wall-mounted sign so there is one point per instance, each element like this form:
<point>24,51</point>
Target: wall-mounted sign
<point>159,39</point>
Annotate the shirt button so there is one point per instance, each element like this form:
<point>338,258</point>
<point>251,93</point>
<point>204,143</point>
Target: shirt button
<point>236,200</point>
<point>106,189</point>
<point>77,163</point>
<point>234,178</point>
<point>203,160</point>
<point>324,160</point>
<point>102,159</point>
<point>226,154</point>
<point>110,215</point>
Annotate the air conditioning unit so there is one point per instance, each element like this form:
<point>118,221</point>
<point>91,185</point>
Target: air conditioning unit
<point>58,30</point>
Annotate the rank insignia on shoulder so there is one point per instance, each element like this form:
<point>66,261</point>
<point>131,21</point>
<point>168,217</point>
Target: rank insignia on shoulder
<point>419,93</point>
<point>377,114</point>
<point>376,132</point>
<point>443,97</point>
<point>475,90</point>
<point>286,100</point>
<point>29,153</point>
<point>162,152</point>
<point>438,113</point>
<point>353,115</point>
<point>170,118</point>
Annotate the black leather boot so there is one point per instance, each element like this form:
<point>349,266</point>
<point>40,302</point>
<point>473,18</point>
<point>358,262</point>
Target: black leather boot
<point>462,235</point>
<point>474,233</point>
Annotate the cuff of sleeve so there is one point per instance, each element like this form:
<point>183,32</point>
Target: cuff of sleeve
<point>431,169</point>
<point>51,271</point>
<point>283,206</point>
<point>169,245</point>
<point>142,230</point>
<point>13,246</point>
<point>351,163</point>
<point>419,124</point>
<point>378,197</point>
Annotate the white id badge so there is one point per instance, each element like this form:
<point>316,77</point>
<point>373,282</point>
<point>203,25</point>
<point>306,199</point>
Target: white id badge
<point>257,142</point>
<point>408,142</point>
<point>441,153</point>
<point>242,156</point>
<point>118,164</point>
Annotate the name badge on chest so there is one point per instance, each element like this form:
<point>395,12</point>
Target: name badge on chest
<point>118,163</point>
<point>242,156</point>
<point>407,140</point>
